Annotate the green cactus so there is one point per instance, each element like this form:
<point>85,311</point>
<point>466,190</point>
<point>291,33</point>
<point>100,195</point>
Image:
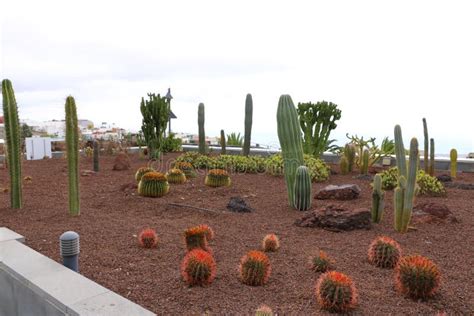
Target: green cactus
<point>302,192</point>
<point>453,154</point>
<point>350,153</point>
<point>400,152</point>
<point>364,168</point>
<point>202,135</point>
<point>155,116</point>
<point>72,145</point>
<point>377,199</point>
<point>344,165</point>
<point>289,135</point>
<point>248,124</point>
<point>153,184</point>
<point>12,133</point>
<point>223,149</point>
<point>405,191</point>
<point>96,156</point>
<point>432,157</point>
<point>426,148</point>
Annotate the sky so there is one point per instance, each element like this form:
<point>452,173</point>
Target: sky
<point>382,62</point>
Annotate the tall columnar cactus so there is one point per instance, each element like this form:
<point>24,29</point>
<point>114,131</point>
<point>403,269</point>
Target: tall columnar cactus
<point>72,145</point>
<point>96,155</point>
<point>377,199</point>
<point>155,116</point>
<point>426,147</point>
<point>289,135</point>
<point>400,152</point>
<point>405,191</point>
<point>223,149</point>
<point>12,131</point>
<point>349,152</point>
<point>302,189</point>
<point>344,165</point>
<point>364,168</point>
<point>432,157</point>
<point>202,135</point>
<point>248,124</point>
<point>453,155</point>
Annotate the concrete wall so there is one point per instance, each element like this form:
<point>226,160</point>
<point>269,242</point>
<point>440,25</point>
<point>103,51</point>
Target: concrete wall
<point>32,284</point>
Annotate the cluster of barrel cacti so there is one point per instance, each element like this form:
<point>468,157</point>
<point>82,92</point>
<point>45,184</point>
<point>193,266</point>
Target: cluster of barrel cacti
<point>217,178</point>
<point>176,176</point>
<point>417,277</point>
<point>12,133</point>
<point>255,268</point>
<point>198,237</point>
<point>198,267</point>
<point>72,147</point>
<point>187,168</point>
<point>405,191</point>
<point>289,135</point>
<point>384,252</point>
<point>321,262</point>
<point>270,243</point>
<point>336,292</point>
<point>148,238</point>
<point>153,184</point>
<point>378,196</point>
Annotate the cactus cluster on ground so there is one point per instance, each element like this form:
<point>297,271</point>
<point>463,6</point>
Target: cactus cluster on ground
<point>186,167</point>
<point>176,176</point>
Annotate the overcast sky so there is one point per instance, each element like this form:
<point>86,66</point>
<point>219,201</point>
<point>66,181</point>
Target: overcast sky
<point>382,62</point>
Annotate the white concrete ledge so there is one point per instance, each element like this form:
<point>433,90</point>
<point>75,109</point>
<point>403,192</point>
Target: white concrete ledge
<point>32,284</point>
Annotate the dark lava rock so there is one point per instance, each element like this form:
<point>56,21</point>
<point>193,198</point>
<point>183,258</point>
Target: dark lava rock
<point>429,212</point>
<point>336,218</point>
<point>121,162</point>
<point>238,204</point>
<point>444,178</point>
<point>364,177</point>
<point>339,192</point>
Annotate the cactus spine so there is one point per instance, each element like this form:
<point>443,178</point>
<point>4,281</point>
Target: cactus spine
<point>453,154</point>
<point>202,135</point>
<point>223,149</point>
<point>432,157</point>
<point>364,168</point>
<point>12,131</point>
<point>405,191</point>
<point>377,199</point>
<point>248,124</point>
<point>426,148</point>
<point>72,144</point>
<point>302,192</point>
<point>289,135</point>
<point>96,156</point>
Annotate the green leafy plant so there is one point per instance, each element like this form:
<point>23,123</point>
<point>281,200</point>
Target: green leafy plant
<point>234,139</point>
<point>171,143</point>
<point>317,121</point>
<point>155,115</point>
<point>428,185</point>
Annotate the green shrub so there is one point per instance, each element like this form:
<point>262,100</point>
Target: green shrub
<point>171,144</point>
<point>426,184</point>
<point>318,170</point>
<point>389,178</point>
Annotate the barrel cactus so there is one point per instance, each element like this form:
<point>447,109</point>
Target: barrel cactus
<point>302,189</point>
<point>384,252</point>
<point>198,237</point>
<point>198,268</point>
<point>141,171</point>
<point>153,184</point>
<point>217,178</point>
<point>321,262</point>
<point>13,142</point>
<point>187,168</point>
<point>377,199</point>
<point>453,155</point>
<point>264,310</point>
<point>335,292</point>
<point>289,135</point>
<point>148,238</point>
<point>255,268</point>
<point>176,176</point>
<point>270,243</point>
<point>417,277</point>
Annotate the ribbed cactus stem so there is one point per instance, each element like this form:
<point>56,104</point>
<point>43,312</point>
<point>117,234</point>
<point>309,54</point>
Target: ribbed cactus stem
<point>432,157</point>
<point>12,133</point>
<point>364,169</point>
<point>377,199</point>
<point>400,152</point>
<point>289,135</point>
<point>223,148</point>
<point>349,152</point>
<point>248,124</point>
<point>344,165</point>
<point>302,189</point>
<point>202,135</point>
<point>96,155</point>
<point>72,146</point>
<point>453,155</point>
<point>426,147</point>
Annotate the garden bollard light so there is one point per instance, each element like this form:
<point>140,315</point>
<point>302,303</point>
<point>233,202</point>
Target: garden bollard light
<point>69,249</point>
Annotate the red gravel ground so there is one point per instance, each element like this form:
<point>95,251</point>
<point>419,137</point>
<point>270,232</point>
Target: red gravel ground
<point>112,215</point>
